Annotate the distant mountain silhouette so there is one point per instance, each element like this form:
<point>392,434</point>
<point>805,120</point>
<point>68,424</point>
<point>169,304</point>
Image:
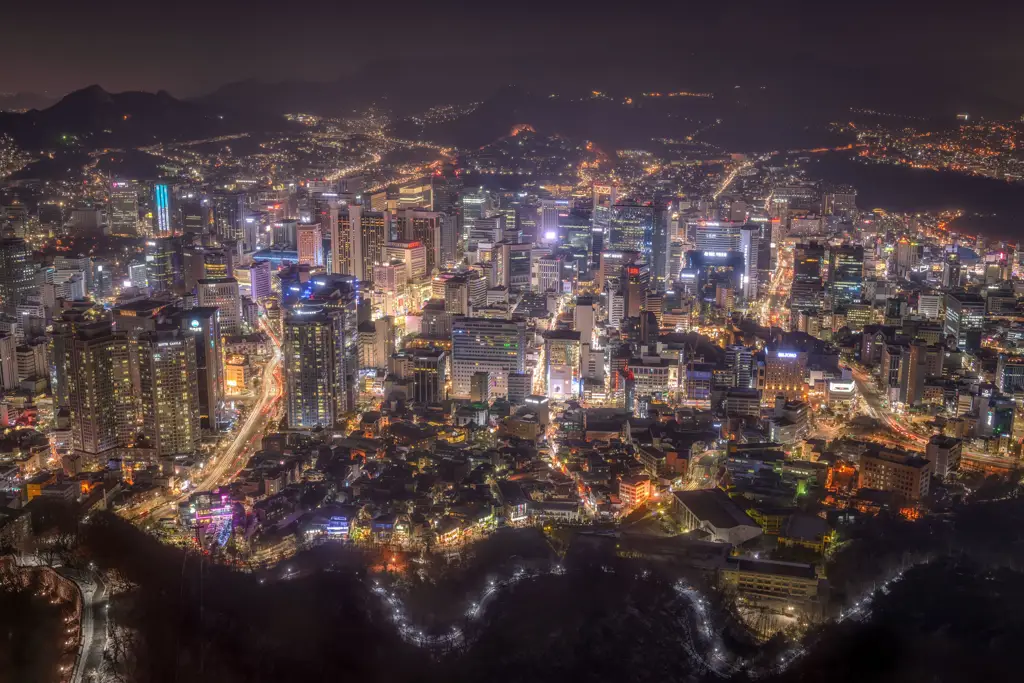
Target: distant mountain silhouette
<point>102,119</point>
<point>24,100</point>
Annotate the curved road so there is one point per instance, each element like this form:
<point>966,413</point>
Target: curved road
<point>227,460</point>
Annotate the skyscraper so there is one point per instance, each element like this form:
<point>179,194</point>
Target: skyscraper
<point>497,347</point>
<point>100,393</point>
<point>161,263</point>
<point>425,227</point>
<point>632,228</point>
<point>429,374</point>
<point>169,391</point>
<point>965,314</point>
<point>123,213</point>
<point>162,210</point>
<point>846,275</point>
<point>370,231</point>
<point>310,245</point>
<point>318,378</point>
<point>201,324</point>
<point>229,216</point>
<point>17,275</point>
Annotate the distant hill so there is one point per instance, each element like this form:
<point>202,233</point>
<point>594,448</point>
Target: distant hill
<point>98,119</point>
<point>21,101</point>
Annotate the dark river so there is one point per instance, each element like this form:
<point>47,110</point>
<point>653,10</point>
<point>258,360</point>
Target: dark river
<point>992,208</point>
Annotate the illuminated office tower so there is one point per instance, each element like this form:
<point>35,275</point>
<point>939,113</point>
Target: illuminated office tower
<point>750,242</point>
<point>223,294</point>
<point>965,315</point>
<point>718,236</point>
<point>739,360</point>
<point>310,245</point>
<point>846,275</point>
<point>474,204</point>
<point>412,254</point>
<point>169,390</point>
<point>513,266</point>
<point>370,231</point>
<point>951,272</point>
<point>229,215</point>
<point>806,291</point>
<point>100,392</point>
<point>161,270</point>
<point>192,212</point>
<point>162,210</point>
<point>259,280</point>
<point>632,229</point>
<point>202,326</point>
<point>17,275</point>
<point>604,200</point>
<point>429,373</point>
<point>123,212</point>
<point>448,251</point>
<point>551,211</point>
<point>497,347</point>
<point>425,227</point>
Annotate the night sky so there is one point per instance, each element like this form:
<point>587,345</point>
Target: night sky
<point>190,48</point>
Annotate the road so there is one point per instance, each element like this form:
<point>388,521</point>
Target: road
<point>727,181</point>
<point>873,403</point>
<point>228,460</point>
<point>93,627</point>
<point>94,623</point>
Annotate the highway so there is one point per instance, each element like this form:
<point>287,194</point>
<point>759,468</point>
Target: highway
<point>229,459</point>
<point>875,409</point>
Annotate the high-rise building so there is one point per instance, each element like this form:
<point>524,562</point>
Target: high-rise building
<point>259,280</point>
<point>203,326</point>
<point>412,254</point>
<point>319,381</point>
<point>370,231</point>
<point>951,272</point>
<point>9,375</point>
<point>718,236</point>
<point>123,213</point>
<point>229,217</point>
<point>846,275</point>
<point>169,391</point>
<point>806,290</point>
<point>739,360</point>
<point>908,253</point>
<point>632,228</point>
<point>785,374</point>
<point>750,246</point>
<point>161,263</point>
<point>100,392</point>
<point>1010,374</point>
<point>965,314</point>
<point>222,294</point>
<point>310,245</point>
<point>429,372</point>
<point>497,347</point>
<point>17,275</point>
<point>427,228</point>
<point>162,210</point>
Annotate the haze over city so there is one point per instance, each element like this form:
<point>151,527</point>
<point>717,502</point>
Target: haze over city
<point>511,342</point>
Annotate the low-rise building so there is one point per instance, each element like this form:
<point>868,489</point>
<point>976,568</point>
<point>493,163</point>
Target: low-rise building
<point>712,511</point>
